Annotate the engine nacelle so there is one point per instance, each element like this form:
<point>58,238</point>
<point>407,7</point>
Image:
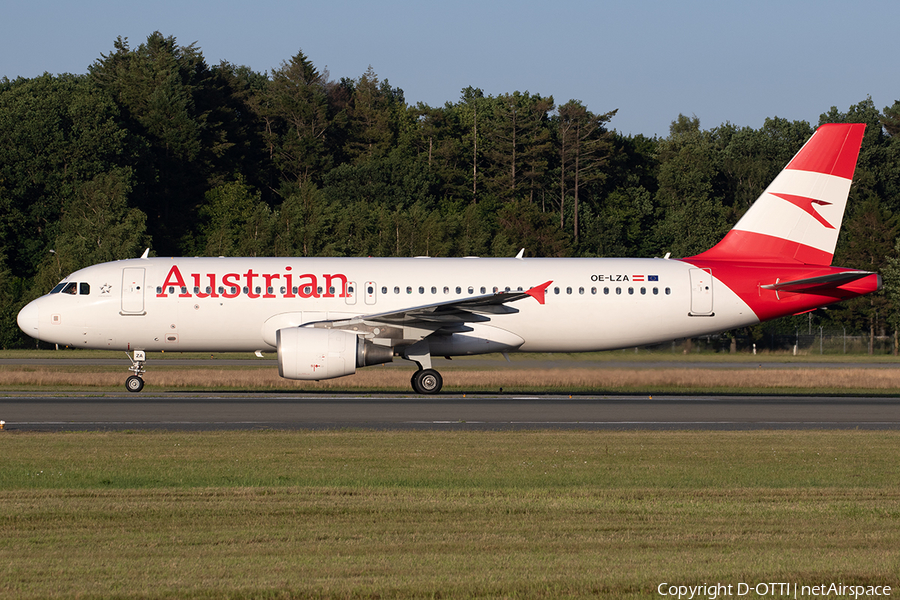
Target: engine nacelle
<point>311,353</point>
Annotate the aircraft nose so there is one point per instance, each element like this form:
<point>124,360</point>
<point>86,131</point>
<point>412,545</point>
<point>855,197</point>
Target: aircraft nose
<point>28,319</point>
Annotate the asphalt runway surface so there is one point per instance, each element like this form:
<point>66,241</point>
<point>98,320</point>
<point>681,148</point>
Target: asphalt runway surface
<point>225,410</point>
<point>210,411</point>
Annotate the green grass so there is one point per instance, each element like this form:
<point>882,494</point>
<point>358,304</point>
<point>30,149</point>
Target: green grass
<point>360,514</point>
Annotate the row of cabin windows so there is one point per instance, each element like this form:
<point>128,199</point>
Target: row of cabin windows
<point>307,290</point>
<point>556,290</point>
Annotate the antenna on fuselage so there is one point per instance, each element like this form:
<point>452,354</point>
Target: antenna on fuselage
<point>146,253</point>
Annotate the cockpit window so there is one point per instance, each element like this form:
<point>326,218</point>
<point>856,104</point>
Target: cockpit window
<point>72,288</point>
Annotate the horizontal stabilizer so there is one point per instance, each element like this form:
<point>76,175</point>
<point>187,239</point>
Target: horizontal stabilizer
<point>817,284</point>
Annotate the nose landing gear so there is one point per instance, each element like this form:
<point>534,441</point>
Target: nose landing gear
<point>135,383</point>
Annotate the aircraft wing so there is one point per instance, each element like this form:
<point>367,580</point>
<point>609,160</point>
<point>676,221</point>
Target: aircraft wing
<point>467,310</point>
<point>435,316</point>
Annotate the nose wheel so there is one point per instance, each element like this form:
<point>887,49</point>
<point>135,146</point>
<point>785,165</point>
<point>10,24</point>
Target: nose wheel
<point>427,381</point>
<point>135,383</point>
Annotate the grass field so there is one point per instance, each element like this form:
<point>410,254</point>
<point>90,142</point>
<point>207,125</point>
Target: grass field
<point>570,380</point>
<point>593,372</point>
<point>357,514</point>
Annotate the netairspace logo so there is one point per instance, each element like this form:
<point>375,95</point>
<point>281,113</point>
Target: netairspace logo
<point>782,589</point>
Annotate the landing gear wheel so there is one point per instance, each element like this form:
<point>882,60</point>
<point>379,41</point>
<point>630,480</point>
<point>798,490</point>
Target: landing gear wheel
<point>134,384</point>
<point>427,381</point>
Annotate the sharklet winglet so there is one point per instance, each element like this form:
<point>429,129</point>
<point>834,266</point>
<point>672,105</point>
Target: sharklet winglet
<point>539,291</point>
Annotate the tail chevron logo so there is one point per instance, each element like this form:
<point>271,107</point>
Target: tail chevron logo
<point>807,205</point>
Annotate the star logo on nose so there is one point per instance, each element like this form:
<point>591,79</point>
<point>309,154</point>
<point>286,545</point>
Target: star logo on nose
<point>807,205</point>
<point>105,288</point>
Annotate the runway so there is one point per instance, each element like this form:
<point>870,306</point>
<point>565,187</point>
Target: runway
<point>296,411</point>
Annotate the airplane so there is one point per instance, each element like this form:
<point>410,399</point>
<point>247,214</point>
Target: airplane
<point>326,317</point>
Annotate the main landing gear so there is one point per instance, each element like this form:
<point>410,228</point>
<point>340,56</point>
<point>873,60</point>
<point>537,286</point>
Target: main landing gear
<point>135,383</point>
<point>427,381</point>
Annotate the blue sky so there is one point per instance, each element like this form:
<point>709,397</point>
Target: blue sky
<point>721,60</point>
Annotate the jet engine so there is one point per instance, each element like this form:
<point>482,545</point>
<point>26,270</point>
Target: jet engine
<point>310,353</point>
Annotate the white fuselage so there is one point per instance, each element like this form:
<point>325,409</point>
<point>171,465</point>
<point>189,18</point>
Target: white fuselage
<point>237,304</point>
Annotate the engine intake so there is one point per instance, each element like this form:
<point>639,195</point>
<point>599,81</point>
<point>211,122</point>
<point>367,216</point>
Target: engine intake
<point>314,354</point>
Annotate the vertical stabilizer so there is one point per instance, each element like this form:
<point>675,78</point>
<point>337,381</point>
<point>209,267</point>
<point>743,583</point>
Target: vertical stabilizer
<point>798,218</point>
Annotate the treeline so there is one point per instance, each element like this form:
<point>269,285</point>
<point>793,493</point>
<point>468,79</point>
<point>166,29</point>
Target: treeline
<point>153,147</point>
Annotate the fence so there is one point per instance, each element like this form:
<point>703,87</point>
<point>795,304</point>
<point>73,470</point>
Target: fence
<point>820,341</point>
